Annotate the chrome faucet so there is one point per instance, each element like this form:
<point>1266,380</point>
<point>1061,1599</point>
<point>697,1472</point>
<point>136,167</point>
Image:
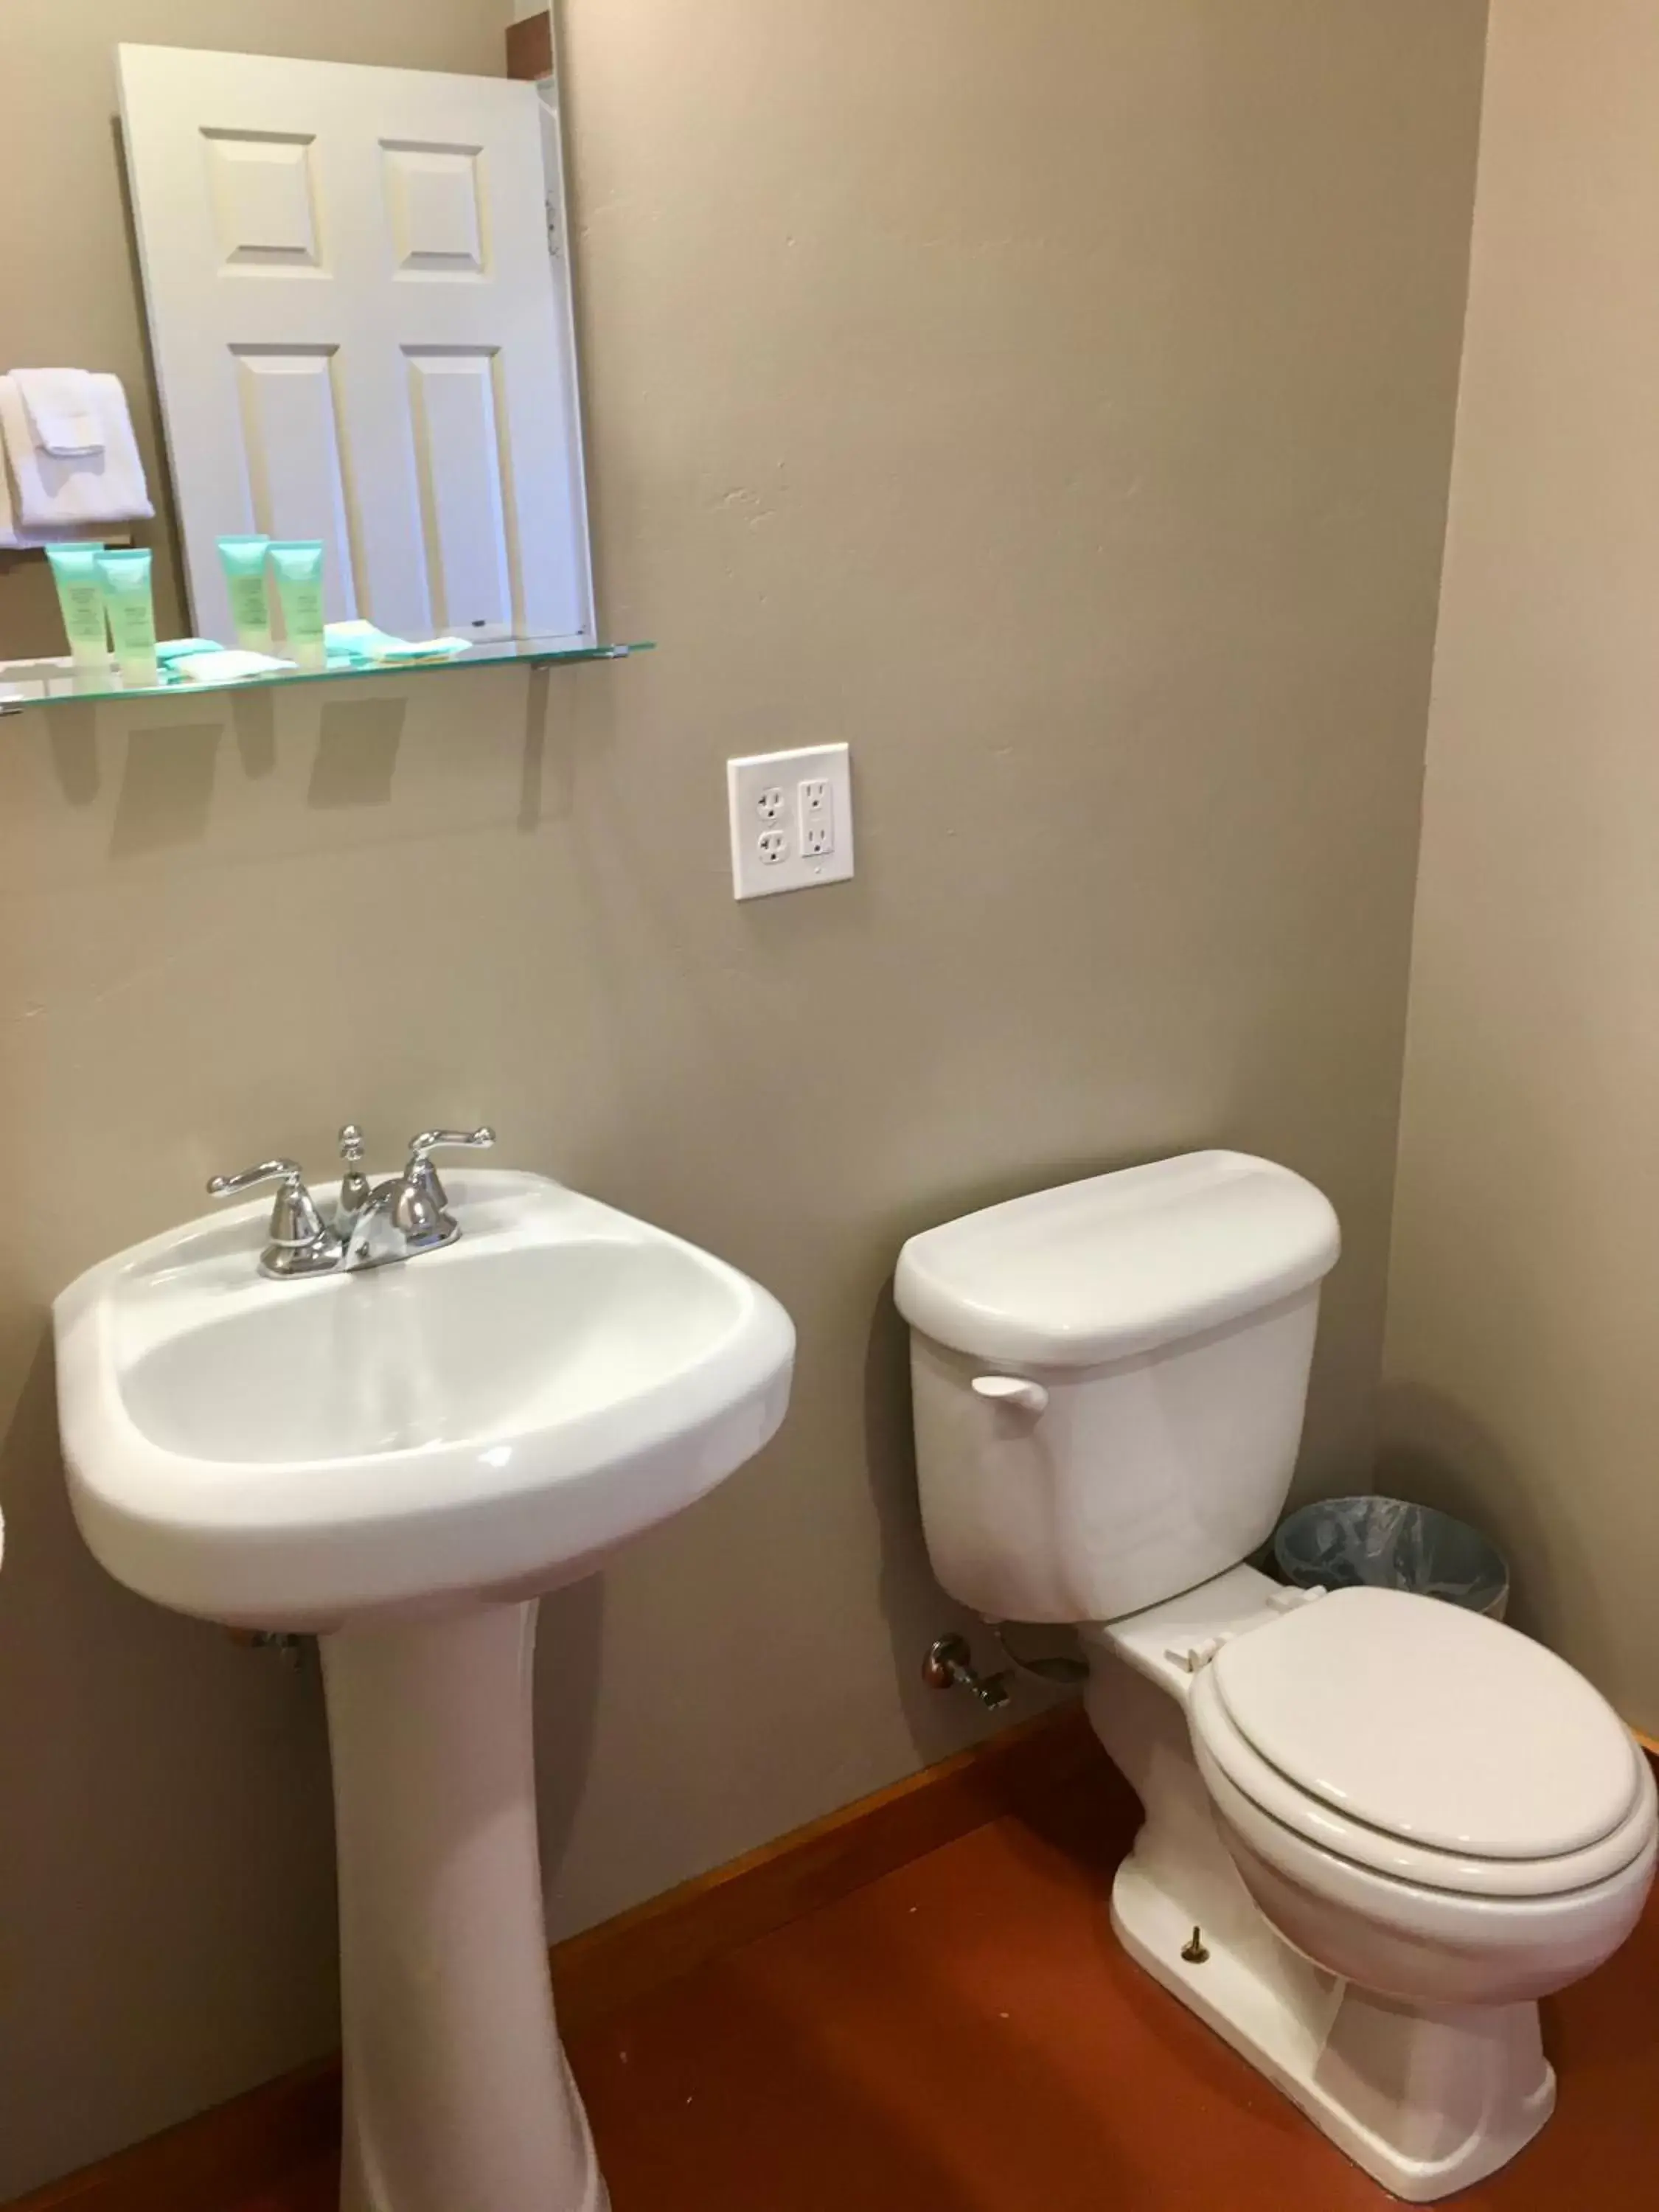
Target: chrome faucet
<point>373,1226</point>
<point>406,1214</point>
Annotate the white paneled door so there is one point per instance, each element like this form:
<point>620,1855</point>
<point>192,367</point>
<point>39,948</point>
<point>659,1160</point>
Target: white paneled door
<point>360,309</point>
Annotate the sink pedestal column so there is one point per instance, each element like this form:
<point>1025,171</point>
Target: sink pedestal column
<point>458,2097</point>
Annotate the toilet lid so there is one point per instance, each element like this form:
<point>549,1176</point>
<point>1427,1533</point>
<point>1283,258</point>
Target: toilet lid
<point>1226,1759</point>
<point>1429,1722</point>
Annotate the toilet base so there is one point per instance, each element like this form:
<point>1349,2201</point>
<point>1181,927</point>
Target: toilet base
<point>1426,2099</point>
<point>1426,2102</point>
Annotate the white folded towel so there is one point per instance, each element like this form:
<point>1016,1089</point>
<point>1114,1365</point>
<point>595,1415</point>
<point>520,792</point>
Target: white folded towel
<point>12,540</point>
<point>63,411</point>
<point>107,486</point>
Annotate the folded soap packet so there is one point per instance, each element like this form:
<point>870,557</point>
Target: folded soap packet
<point>230,667</point>
<point>360,640</point>
<point>361,644</point>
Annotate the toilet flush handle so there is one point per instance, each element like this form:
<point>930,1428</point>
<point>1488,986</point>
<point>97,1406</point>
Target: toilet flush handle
<point>1013,1390</point>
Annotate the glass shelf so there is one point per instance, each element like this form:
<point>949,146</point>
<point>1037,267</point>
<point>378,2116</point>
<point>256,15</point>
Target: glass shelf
<point>28,683</point>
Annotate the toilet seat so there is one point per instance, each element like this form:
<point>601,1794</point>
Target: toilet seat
<point>1427,1744</point>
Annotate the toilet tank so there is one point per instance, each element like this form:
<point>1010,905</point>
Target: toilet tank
<point>1165,1316</point>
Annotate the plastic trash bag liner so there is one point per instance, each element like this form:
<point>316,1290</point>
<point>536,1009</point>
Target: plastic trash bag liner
<point>1389,1545</point>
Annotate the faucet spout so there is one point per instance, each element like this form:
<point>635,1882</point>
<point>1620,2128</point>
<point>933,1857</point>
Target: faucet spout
<point>397,1219</point>
<point>367,1235</point>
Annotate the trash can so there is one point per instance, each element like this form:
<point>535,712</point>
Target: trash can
<point>1384,1542</point>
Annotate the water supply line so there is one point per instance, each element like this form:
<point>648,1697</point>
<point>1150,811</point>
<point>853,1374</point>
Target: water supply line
<point>949,1666</point>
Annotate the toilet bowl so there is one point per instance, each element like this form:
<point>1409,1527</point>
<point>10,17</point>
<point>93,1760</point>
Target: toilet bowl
<point>1449,1813</point>
<point>1377,1829</point>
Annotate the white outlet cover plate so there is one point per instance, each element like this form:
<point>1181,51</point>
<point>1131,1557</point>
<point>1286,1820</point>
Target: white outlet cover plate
<point>759,868</point>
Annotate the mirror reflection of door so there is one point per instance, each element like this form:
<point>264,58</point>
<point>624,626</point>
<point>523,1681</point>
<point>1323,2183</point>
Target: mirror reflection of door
<point>362,334</point>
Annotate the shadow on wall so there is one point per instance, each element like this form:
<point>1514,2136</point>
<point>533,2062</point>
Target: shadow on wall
<point>357,742</point>
<point>155,775</point>
<point>131,1861</point>
<point>569,1645</point>
<point>1433,1454</point>
<point>165,797</point>
<point>939,1722</point>
<point>72,742</point>
<point>166,790</point>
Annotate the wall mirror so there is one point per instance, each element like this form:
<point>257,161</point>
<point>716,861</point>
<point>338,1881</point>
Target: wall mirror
<point>344,428</point>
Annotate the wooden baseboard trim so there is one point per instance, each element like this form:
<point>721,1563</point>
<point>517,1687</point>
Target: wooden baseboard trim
<point>611,1966</point>
<point>216,2161</point>
<point>232,2153</point>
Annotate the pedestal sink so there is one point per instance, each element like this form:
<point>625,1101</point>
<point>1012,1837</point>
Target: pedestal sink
<point>404,1461</point>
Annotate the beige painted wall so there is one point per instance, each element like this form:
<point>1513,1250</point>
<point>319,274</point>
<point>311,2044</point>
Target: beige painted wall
<point>1056,403</point>
<point>1523,1380</point>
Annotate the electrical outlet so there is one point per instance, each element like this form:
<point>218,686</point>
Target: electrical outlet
<point>791,820</point>
<point>816,807</point>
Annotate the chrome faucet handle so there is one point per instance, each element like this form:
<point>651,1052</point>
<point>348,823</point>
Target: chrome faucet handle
<point>297,1243</point>
<point>422,1177</point>
<point>232,1185</point>
<point>444,1140</point>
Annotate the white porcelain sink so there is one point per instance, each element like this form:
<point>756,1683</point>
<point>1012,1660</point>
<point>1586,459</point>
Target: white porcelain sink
<point>489,1420</point>
<point>403,1459</point>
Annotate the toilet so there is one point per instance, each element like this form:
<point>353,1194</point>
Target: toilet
<point>1379,1829</point>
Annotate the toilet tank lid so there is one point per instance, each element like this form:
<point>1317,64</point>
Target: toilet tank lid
<point>1120,1264</point>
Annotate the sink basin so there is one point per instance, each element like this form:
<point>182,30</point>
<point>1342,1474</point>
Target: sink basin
<point>403,1460</point>
<point>489,1420</point>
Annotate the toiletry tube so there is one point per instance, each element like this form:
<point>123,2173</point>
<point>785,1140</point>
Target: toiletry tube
<point>131,612</point>
<point>243,560</point>
<point>80,596</point>
<point>297,565</point>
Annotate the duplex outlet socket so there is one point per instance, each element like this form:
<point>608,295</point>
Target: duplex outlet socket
<point>791,820</point>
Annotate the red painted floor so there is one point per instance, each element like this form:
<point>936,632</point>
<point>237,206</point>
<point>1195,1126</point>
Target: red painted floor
<point>964,2036</point>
